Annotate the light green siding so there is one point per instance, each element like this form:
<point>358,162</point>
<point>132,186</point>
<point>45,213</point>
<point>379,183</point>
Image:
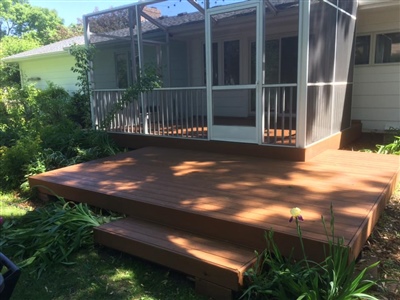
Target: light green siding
<point>56,69</point>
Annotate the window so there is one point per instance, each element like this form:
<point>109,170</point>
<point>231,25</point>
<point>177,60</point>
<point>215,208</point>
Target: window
<point>280,61</point>
<point>231,58</point>
<point>362,50</point>
<point>387,48</point>
<point>123,70</point>
<point>231,62</point>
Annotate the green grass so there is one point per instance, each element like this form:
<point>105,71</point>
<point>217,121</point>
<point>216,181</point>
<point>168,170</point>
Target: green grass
<point>98,273</point>
<point>12,205</point>
<point>102,273</point>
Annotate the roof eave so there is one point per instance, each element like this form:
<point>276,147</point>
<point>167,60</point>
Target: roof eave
<point>34,56</point>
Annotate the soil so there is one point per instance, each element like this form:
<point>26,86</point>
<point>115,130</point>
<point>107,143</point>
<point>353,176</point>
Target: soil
<point>384,243</point>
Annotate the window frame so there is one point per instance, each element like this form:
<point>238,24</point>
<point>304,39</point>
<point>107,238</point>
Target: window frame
<point>372,52</point>
<point>375,47</point>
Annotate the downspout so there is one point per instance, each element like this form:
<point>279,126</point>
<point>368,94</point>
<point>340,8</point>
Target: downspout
<point>302,73</point>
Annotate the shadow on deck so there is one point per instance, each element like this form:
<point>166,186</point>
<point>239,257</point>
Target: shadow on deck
<point>205,213</point>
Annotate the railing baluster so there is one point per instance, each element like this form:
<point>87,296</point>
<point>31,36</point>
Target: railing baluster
<point>283,114</point>
<point>290,114</point>
<point>187,113</point>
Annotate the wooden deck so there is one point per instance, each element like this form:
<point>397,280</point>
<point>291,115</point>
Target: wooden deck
<point>235,198</point>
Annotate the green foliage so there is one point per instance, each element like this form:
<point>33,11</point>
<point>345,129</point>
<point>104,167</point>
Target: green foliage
<point>38,134</point>
<point>79,110</point>
<point>276,277</point>
<point>391,148</point>
<point>49,234</point>
<point>83,56</point>
<point>9,45</point>
<point>81,99</point>
<point>16,44</point>
<point>53,105</point>
<point>19,17</point>
<point>13,161</point>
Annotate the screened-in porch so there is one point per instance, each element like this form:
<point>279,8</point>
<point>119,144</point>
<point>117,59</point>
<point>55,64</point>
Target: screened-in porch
<point>264,72</point>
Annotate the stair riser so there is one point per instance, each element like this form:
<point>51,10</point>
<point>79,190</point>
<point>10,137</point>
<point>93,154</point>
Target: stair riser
<point>169,259</point>
<point>250,237</point>
<point>240,234</point>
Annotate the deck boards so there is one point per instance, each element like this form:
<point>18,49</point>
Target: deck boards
<point>253,192</point>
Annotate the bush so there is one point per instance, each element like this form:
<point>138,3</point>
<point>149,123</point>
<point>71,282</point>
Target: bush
<point>53,104</point>
<point>276,277</point>
<point>15,160</point>
<point>18,111</point>
<point>79,110</point>
<point>37,133</point>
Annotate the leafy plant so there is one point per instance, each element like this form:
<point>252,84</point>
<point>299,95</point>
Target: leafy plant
<point>277,277</point>
<point>52,103</point>
<point>391,148</point>
<point>50,234</point>
<point>15,159</point>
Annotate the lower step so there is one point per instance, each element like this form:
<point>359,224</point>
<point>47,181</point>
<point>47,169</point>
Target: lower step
<point>217,263</point>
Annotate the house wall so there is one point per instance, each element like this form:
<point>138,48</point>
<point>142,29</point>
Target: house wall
<point>376,95</point>
<point>56,69</point>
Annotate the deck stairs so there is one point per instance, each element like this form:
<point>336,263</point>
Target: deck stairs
<point>216,266</point>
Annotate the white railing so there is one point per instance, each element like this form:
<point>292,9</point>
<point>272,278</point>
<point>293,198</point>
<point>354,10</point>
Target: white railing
<point>182,112</point>
<point>178,112</point>
<point>280,102</point>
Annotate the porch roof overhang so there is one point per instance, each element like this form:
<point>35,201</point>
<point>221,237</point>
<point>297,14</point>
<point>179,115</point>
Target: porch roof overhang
<point>166,22</point>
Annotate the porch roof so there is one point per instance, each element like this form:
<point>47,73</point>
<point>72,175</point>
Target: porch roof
<point>184,18</point>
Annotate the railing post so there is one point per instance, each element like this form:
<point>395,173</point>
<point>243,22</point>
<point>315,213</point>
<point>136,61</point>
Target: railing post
<point>302,73</point>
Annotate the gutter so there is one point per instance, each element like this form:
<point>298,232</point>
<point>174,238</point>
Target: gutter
<point>35,56</point>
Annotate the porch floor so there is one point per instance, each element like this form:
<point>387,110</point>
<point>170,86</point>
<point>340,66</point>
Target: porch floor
<point>237,198</point>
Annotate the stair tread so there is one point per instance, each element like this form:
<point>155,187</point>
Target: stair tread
<point>219,253</point>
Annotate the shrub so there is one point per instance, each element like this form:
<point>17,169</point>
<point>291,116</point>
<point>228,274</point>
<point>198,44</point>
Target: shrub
<point>15,160</point>
<point>17,114</point>
<point>79,110</point>
<point>52,103</point>
<point>276,277</point>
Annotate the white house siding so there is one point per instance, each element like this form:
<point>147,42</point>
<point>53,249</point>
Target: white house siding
<point>376,94</point>
<point>55,69</point>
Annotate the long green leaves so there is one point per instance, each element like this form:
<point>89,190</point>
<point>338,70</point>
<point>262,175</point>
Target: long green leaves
<point>49,234</point>
<point>276,277</point>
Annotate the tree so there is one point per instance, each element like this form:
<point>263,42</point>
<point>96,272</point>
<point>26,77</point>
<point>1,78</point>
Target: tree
<point>9,45</point>
<point>18,17</point>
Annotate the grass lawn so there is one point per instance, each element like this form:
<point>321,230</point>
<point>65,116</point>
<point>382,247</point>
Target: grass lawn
<point>98,273</point>
<point>101,273</point>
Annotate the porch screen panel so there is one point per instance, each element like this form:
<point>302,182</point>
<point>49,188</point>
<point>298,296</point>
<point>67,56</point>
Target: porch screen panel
<point>320,110</point>
<point>232,68</point>
<point>330,68</point>
<point>110,35</point>
<point>322,43</point>
<point>344,69</point>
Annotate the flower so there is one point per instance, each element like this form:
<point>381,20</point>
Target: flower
<point>1,221</point>
<point>296,214</point>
